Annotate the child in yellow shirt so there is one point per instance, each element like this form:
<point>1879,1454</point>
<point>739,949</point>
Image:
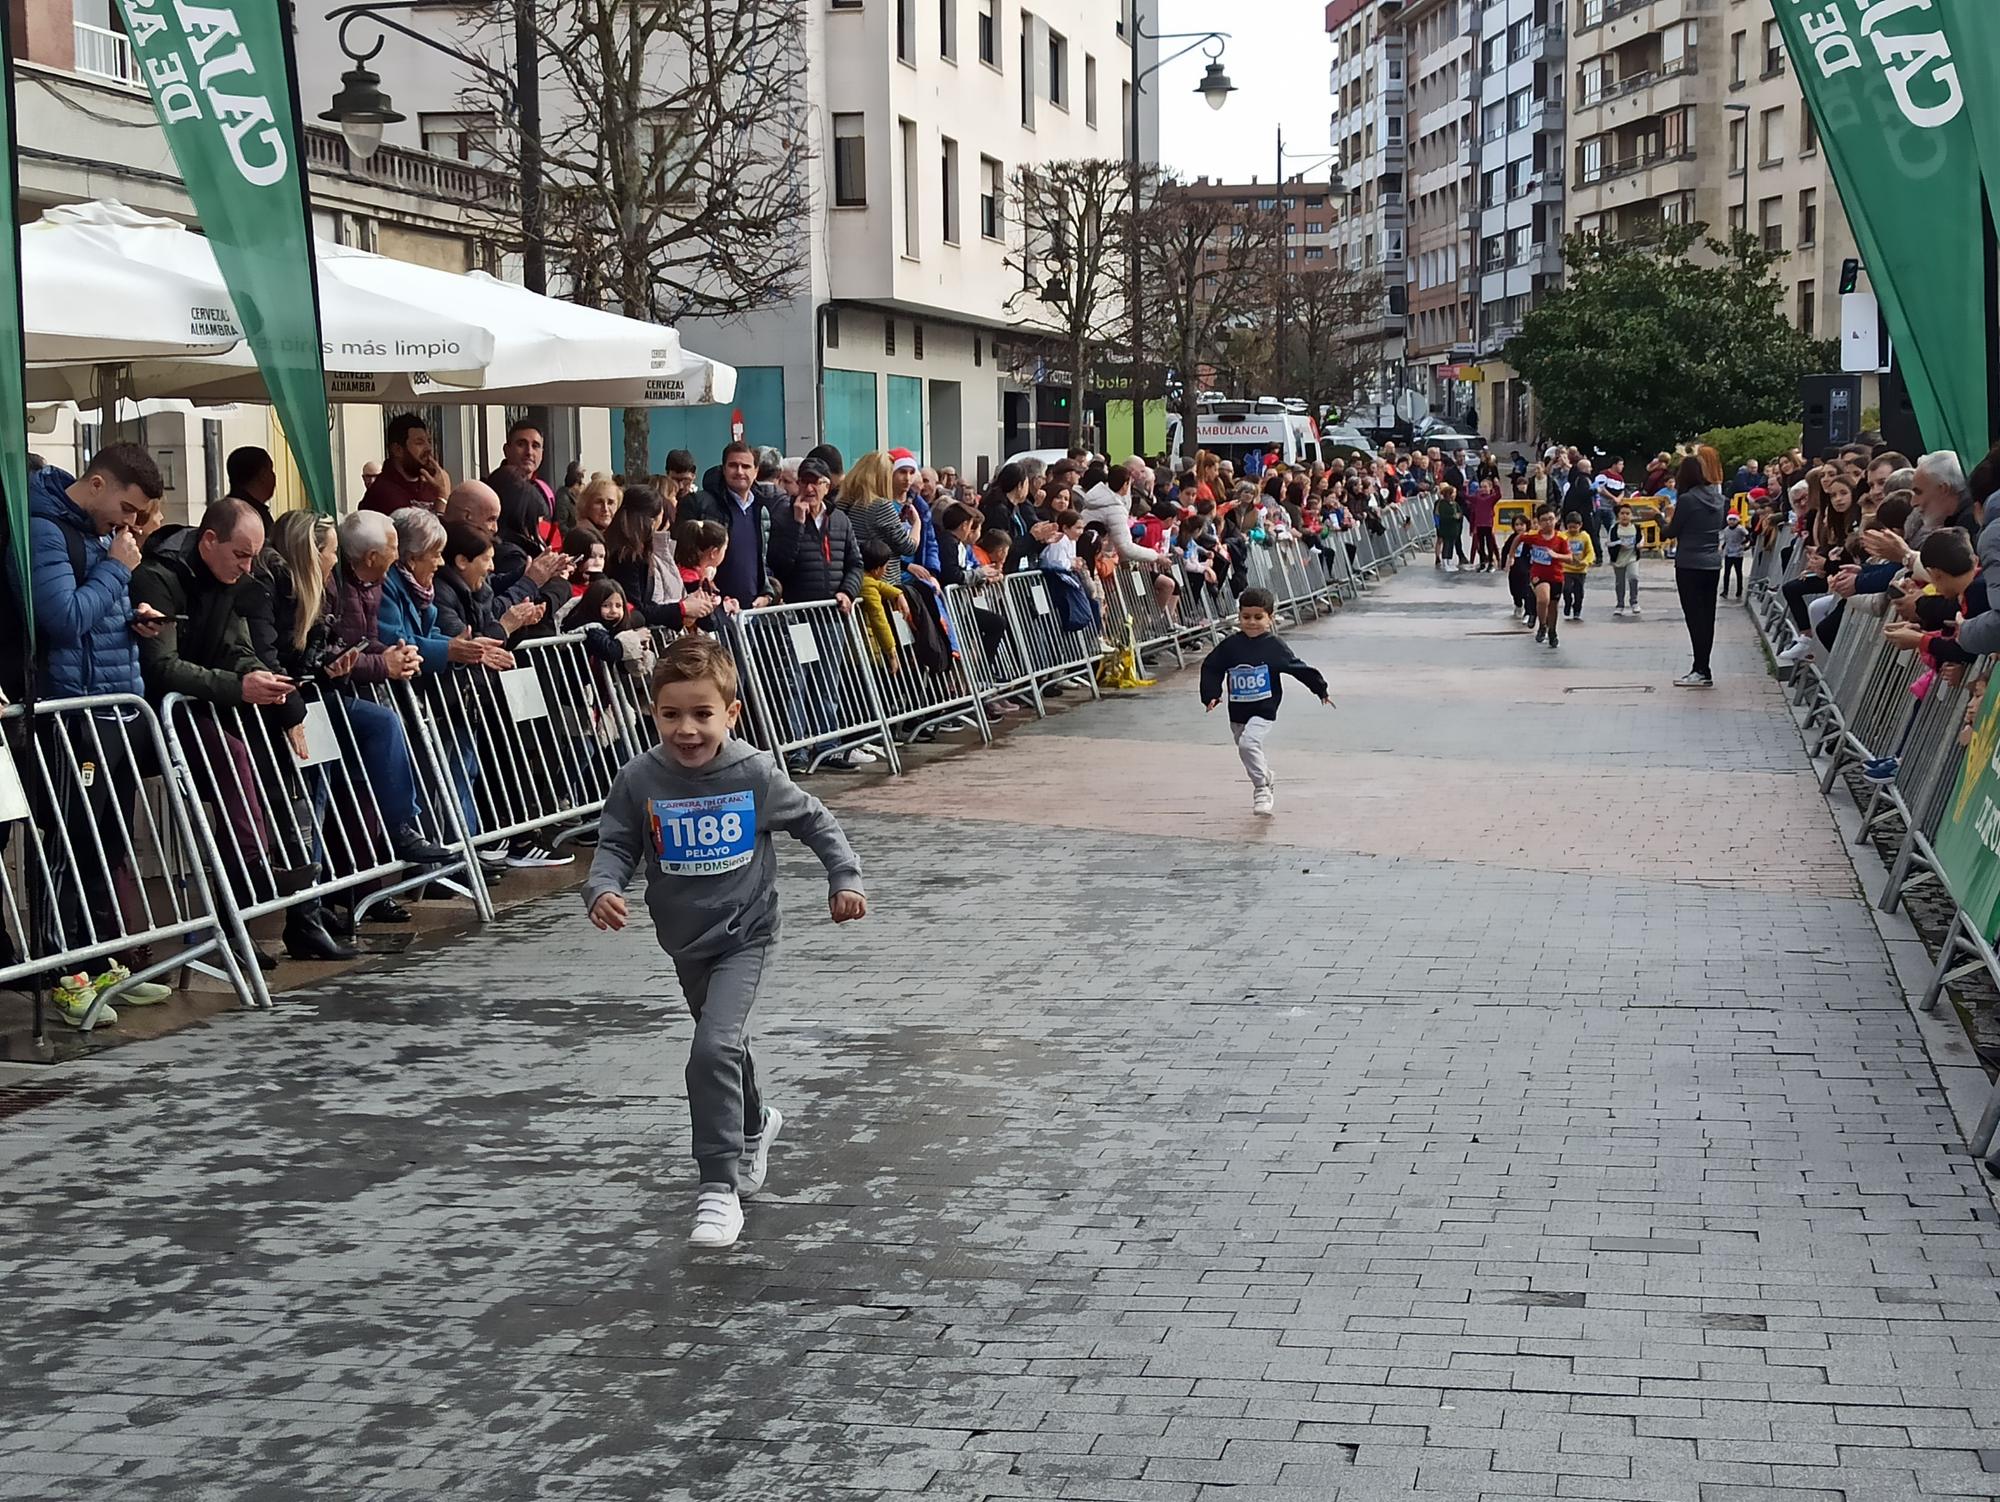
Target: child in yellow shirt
<point>1576,568</point>
<point>878,598</point>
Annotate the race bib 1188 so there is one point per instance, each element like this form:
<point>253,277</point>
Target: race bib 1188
<point>704,836</point>
<point>1251,681</point>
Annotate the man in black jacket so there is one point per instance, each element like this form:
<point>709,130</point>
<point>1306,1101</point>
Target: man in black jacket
<point>814,555</point>
<point>193,576</point>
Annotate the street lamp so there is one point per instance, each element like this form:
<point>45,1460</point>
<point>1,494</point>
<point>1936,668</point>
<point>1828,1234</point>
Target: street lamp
<point>1214,87</point>
<point>361,108</point>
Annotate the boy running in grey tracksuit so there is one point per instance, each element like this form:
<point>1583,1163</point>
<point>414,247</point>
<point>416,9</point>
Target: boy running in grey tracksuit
<point>1623,544</point>
<point>700,810</point>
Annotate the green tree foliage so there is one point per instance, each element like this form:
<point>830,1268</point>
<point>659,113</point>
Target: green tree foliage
<point>1762,441</point>
<point>1648,342</point>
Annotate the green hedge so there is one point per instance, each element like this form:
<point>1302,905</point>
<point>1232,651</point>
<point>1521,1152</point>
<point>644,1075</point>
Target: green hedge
<point>1762,441</point>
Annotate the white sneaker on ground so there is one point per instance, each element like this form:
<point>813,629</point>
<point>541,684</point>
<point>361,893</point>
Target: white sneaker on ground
<point>1694,680</point>
<point>1636,610</point>
<point>755,1164</point>
<point>1263,803</point>
<point>1618,610</point>
<point>718,1217</point>
<point>862,754</point>
<point>535,857</point>
<point>1798,651</point>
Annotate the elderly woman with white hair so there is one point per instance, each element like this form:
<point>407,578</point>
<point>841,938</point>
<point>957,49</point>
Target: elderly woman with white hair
<point>408,612</point>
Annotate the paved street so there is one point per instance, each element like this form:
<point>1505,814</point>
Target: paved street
<point>1527,1112</point>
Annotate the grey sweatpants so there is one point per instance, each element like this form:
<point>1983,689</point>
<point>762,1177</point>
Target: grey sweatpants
<point>1250,746</point>
<point>1626,577</point>
<point>723,1103</point>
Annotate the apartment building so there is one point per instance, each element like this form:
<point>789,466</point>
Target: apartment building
<point>1646,119</point>
<point>1306,201</point>
<point>1370,114</point>
<point>908,332</point>
<point>1784,189</point>
<point>1442,60</point>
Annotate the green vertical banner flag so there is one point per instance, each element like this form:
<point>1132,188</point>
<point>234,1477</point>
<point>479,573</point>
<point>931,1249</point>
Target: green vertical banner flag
<point>13,347</point>
<point>1972,27</point>
<point>1968,837</point>
<point>225,89</point>
<point>1880,79</point>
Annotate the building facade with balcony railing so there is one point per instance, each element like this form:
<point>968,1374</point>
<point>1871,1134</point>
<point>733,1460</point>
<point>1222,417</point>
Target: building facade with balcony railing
<point>1646,129</point>
<point>1371,108</point>
<point>1516,217</point>
<point>1777,167</point>
<point>1442,55</point>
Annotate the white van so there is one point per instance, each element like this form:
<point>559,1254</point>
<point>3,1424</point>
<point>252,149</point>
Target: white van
<point>1236,430</point>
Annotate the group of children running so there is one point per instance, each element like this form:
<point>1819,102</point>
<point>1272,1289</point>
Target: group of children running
<point>1547,566</point>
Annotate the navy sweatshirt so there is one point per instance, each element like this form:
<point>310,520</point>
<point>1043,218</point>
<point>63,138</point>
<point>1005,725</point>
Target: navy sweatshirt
<point>1249,666</point>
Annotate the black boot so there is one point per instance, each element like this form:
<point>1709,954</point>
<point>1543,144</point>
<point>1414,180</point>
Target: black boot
<point>306,937</point>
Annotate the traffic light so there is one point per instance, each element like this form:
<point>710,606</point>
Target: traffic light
<point>1850,272</point>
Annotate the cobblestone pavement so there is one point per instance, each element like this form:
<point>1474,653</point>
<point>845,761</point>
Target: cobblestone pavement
<point>1527,1112</point>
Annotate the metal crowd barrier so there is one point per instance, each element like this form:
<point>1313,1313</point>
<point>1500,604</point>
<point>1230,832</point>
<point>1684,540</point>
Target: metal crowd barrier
<point>1856,707</point>
<point>96,852</point>
<point>251,820</point>
<point>812,686</point>
<point>281,824</point>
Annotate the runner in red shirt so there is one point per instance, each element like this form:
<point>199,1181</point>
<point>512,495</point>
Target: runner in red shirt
<point>1547,549</point>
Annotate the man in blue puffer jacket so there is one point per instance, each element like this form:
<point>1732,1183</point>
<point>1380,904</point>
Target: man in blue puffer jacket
<point>81,556</point>
<point>83,616</point>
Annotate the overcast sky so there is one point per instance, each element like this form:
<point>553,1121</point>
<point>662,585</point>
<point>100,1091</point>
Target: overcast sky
<point>1278,59</point>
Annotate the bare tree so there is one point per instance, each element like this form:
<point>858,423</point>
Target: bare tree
<point>1076,226</point>
<point>674,147</point>
<point>1206,273</point>
<point>1333,334</point>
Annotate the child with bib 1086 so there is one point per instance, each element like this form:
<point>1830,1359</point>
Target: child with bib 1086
<point>700,810</point>
<point>1249,664</point>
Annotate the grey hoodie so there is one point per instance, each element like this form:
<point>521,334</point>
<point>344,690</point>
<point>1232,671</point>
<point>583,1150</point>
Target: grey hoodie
<point>713,825</point>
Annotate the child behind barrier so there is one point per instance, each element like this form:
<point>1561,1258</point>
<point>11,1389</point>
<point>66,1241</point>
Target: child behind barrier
<point>699,548</point>
<point>879,598</point>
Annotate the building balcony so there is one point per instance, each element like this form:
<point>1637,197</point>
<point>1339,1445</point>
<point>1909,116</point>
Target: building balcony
<point>436,178</point>
<point>1639,83</point>
<point>102,53</point>
<point>1633,166</point>
<point>1546,116</point>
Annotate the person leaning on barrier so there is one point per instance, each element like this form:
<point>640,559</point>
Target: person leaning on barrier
<point>1007,508</point>
<point>638,554</point>
<point>204,652</point>
<point>408,611</point>
<point>814,553</point>
<point>515,578</point>
<point>463,592</point>
<point>81,554</point>
<point>370,735</point>
<point>367,552</point>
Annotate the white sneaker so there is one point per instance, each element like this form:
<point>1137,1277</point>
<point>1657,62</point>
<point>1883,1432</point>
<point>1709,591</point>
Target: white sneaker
<point>537,857</point>
<point>755,1164</point>
<point>1618,610</point>
<point>1694,680</point>
<point>1797,652</point>
<point>1263,803</point>
<point>1635,610</point>
<point>862,754</point>
<point>718,1217</point>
